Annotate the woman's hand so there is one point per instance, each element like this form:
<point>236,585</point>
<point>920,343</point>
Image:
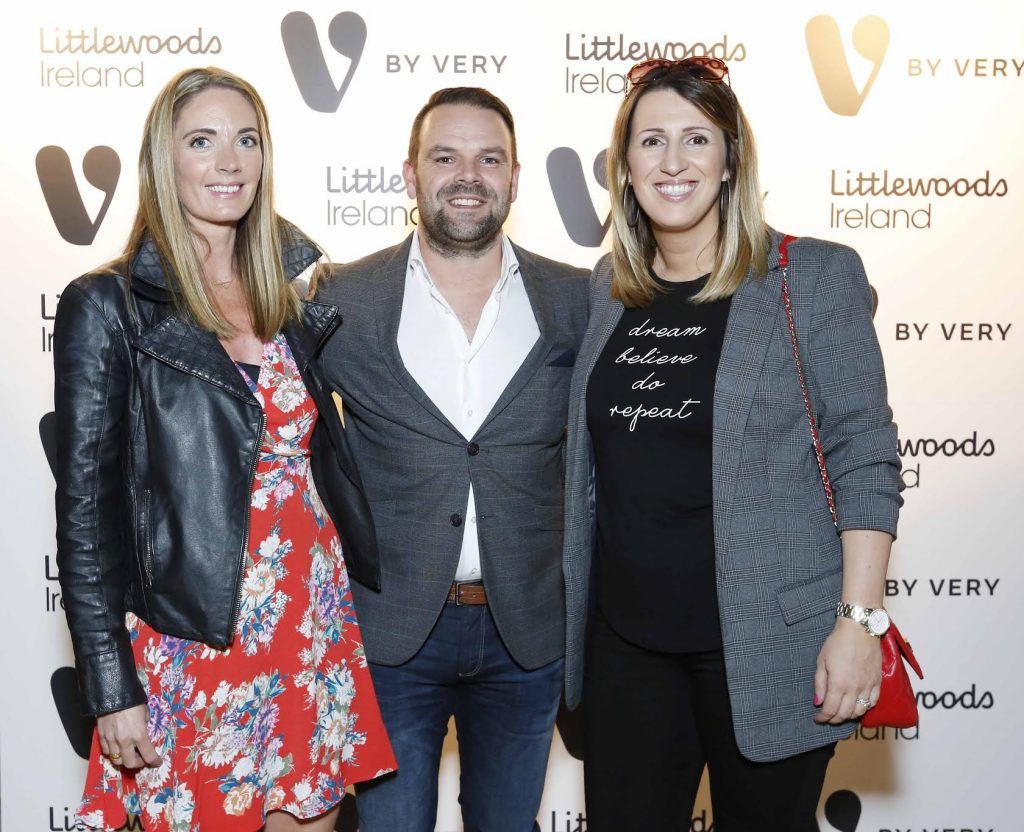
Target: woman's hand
<point>124,738</point>
<point>849,668</point>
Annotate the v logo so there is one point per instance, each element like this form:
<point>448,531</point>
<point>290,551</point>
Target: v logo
<point>842,810</point>
<point>347,34</point>
<point>572,197</point>
<point>78,728</point>
<point>102,169</point>
<point>570,729</point>
<point>48,436</point>
<point>825,46</point>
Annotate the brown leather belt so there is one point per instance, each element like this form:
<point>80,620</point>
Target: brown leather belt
<point>467,594</point>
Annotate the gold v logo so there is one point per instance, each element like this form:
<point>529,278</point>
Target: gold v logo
<point>102,168</point>
<point>825,46</point>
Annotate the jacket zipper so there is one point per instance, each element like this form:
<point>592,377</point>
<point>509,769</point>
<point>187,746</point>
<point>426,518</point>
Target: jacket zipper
<point>147,536</point>
<point>245,533</point>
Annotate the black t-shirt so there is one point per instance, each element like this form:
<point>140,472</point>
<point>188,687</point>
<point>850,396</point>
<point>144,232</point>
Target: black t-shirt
<point>252,369</point>
<point>649,409</point>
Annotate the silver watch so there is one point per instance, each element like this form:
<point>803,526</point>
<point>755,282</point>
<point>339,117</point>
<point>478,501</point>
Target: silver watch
<point>875,621</point>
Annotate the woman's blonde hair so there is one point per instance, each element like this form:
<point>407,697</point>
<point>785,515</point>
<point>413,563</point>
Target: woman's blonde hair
<point>161,216</point>
<point>741,244</point>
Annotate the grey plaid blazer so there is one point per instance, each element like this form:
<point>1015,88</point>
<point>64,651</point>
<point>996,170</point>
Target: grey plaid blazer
<point>777,554</point>
<point>416,467</point>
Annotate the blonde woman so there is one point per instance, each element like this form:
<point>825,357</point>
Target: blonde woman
<point>202,505</point>
<point>711,600</point>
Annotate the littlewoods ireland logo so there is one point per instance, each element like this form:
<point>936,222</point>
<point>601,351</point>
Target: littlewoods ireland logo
<point>102,169</point>
<point>572,196</point>
<point>347,36</point>
<point>831,68</point>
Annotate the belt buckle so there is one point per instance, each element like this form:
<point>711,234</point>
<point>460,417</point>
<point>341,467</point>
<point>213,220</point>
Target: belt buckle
<point>458,592</point>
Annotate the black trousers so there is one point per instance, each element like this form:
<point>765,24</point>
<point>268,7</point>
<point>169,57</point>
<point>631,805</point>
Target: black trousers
<point>653,720</point>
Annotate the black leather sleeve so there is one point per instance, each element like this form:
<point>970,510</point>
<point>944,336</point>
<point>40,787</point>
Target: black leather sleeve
<point>340,488</point>
<point>90,390</point>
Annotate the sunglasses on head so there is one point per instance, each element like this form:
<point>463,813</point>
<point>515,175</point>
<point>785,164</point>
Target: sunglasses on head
<point>712,70</point>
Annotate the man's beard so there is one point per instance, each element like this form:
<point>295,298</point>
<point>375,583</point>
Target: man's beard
<point>450,237</point>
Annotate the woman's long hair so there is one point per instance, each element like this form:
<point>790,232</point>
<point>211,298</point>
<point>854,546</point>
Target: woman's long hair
<point>742,239</point>
<point>162,217</point>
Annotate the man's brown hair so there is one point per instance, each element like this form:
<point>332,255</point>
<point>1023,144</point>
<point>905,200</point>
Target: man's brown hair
<point>468,96</point>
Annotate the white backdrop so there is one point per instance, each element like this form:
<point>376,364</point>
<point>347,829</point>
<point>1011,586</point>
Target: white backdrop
<point>843,107</point>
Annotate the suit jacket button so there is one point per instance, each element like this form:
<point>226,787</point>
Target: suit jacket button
<point>456,519</point>
<point>473,449</point>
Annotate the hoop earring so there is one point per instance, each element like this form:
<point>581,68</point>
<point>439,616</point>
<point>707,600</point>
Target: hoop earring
<point>631,206</point>
<point>724,198</point>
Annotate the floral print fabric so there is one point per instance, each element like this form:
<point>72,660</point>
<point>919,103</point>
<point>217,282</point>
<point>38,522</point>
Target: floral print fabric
<point>285,717</point>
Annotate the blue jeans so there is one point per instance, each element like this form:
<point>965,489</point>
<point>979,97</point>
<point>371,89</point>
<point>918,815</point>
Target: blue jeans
<point>504,716</point>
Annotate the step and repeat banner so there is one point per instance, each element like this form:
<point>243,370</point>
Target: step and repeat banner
<point>893,127</point>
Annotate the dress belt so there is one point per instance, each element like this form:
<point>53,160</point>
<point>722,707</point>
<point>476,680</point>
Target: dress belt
<point>470,593</point>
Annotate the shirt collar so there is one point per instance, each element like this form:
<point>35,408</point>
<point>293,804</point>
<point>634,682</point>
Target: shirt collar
<point>509,262</point>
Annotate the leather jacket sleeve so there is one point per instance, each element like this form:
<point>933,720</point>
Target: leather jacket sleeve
<point>91,380</point>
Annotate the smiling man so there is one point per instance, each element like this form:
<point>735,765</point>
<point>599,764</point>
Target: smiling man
<point>453,363</point>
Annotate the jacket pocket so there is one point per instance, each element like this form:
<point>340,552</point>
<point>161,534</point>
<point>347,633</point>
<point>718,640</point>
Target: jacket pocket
<point>548,517</point>
<point>805,598</point>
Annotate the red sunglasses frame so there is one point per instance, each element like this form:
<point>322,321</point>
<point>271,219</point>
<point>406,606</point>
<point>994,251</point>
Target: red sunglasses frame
<point>712,70</point>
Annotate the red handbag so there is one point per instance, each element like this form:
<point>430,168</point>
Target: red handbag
<point>896,705</point>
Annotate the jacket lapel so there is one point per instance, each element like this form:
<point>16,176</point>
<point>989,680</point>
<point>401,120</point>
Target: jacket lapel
<point>755,309</point>
<point>389,285</point>
<point>147,269</point>
<point>606,314</point>
<point>184,345</point>
<point>540,294</point>
<point>318,321</point>
<point>177,341</point>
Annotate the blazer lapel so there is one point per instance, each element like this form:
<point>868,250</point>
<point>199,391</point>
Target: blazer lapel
<point>389,284</point>
<point>539,293</point>
<point>748,333</point>
<point>606,314</point>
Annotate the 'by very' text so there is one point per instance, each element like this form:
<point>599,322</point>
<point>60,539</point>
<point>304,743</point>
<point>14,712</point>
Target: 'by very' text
<point>453,64</point>
<point>955,331</point>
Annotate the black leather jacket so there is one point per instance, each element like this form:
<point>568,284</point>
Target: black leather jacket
<point>157,439</point>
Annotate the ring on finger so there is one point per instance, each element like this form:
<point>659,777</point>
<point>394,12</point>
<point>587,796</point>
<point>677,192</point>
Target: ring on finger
<point>114,756</point>
<point>864,703</point>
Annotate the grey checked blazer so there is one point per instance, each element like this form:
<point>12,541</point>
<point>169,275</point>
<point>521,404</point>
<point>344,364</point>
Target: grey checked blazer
<point>416,467</point>
<point>777,555</point>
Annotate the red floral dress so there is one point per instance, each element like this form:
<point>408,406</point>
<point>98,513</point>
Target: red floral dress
<point>286,717</point>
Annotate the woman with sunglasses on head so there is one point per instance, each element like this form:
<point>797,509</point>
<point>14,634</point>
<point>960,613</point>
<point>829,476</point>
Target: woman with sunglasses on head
<point>205,501</point>
<point>726,606</point>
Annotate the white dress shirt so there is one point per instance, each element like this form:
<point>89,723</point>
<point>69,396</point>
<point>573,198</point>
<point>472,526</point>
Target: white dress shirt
<point>464,378</point>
